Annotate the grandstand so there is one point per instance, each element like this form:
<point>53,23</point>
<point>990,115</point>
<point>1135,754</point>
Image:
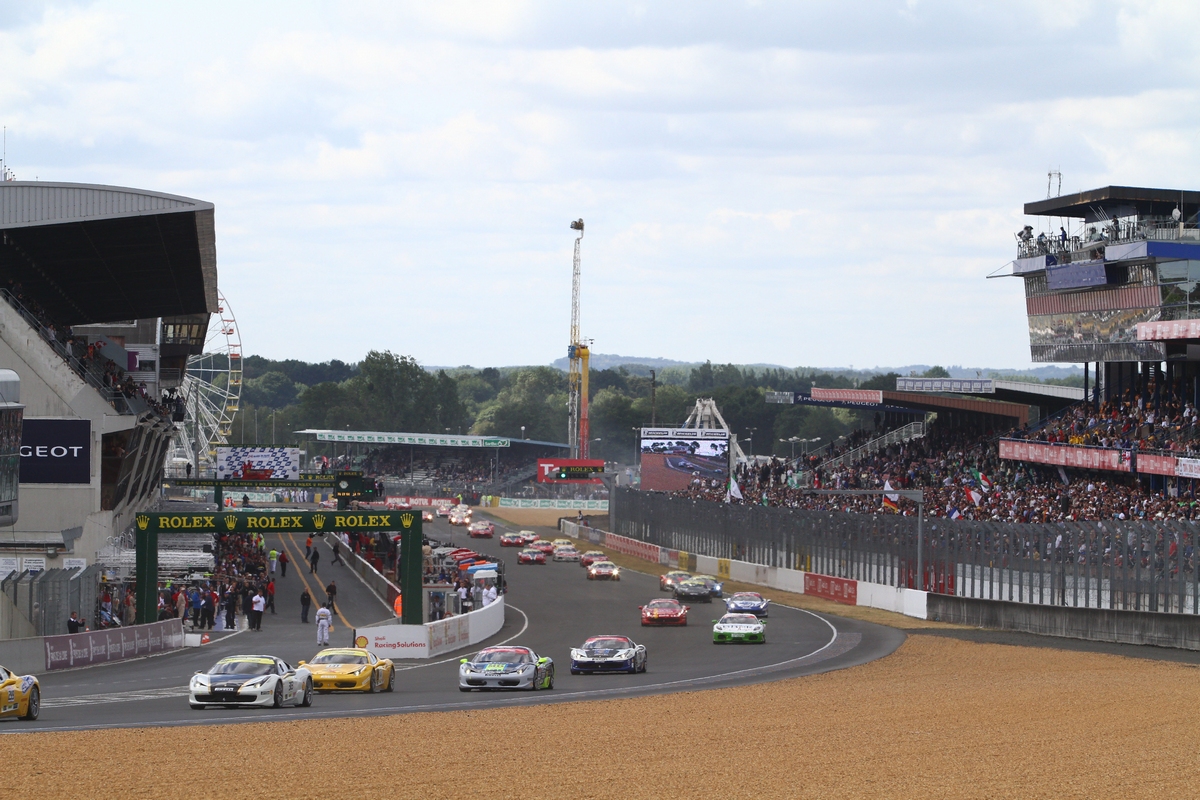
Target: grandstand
<point>107,291</point>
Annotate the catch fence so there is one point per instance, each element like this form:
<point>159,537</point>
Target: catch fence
<point>1114,564</point>
<point>47,598</point>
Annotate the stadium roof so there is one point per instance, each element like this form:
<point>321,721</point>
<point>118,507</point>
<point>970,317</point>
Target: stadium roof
<point>425,439</point>
<point>90,254</point>
<point>1125,200</point>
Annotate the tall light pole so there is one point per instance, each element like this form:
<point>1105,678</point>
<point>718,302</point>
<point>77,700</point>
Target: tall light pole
<point>751,438</point>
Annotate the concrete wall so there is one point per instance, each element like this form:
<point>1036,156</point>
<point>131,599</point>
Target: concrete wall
<point>1093,624</point>
<point>23,656</point>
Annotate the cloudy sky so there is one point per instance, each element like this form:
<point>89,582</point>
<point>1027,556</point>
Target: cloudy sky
<point>801,183</point>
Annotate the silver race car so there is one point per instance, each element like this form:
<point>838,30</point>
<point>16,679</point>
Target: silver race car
<point>251,681</point>
<point>505,667</point>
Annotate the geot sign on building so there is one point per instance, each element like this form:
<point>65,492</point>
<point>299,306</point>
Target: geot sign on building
<point>56,451</point>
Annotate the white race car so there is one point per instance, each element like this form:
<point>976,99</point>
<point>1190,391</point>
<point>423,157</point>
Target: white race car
<point>565,554</point>
<point>251,681</point>
<point>743,628</point>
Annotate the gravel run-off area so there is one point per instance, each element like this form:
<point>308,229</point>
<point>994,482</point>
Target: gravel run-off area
<point>939,718</point>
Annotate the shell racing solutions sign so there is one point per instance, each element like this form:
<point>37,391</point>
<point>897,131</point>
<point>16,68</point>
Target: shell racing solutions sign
<point>250,521</point>
<point>397,641</point>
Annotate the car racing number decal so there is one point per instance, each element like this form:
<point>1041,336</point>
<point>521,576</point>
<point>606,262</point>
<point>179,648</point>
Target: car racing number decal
<point>495,668</point>
<point>27,683</point>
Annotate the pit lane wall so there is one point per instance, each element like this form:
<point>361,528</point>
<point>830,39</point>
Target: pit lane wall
<point>40,654</point>
<point>909,602</point>
<point>396,641</point>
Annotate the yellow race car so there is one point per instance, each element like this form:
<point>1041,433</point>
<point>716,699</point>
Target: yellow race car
<point>20,695</point>
<point>351,669</point>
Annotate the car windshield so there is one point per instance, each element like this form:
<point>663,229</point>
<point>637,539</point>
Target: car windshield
<point>503,657</point>
<point>739,619</point>
<point>243,666</point>
<point>530,553</point>
<point>340,658</point>
<point>606,643</point>
<point>662,604</point>
<point>747,597</point>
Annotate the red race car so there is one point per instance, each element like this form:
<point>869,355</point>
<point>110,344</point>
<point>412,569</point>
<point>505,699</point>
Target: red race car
<point>481,530</point>
<point>531,556</point>
<point>529,537</point>
<point>542,546</point>
<point>591,557</point>
<point>664,611</point>
<point>512,540</point>
<point>667,582</point>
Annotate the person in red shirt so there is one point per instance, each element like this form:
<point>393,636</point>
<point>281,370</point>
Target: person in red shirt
<point>271,595</point>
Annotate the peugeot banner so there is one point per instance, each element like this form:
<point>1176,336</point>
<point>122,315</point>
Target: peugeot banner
<point>56,451</point>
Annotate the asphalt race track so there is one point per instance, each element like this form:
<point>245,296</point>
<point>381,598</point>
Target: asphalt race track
<point>551,608</point>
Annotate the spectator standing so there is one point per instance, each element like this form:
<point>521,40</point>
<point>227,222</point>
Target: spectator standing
<point>313,558</point>
<point>305,602</point>
<point>258,603</point>
<point>331,590</point>
<point>489,595</point>
<point>283,562</point>
<point>273,559</point>
<point>337,552</point>
<point>74,624</point>
<point>271,595</point>
<point>308,546</point>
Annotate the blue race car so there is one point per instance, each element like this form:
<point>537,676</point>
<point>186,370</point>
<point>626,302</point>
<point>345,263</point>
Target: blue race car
<point>747,603</point>
<point>609,654</point>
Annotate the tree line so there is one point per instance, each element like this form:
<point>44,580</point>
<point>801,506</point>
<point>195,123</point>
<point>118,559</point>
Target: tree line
<point>390,392</point>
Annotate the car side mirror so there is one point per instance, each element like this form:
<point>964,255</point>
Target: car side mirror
<point>300,663</point>
<point>462,661</point>
<point>714,622</point>
<point>641,608</point>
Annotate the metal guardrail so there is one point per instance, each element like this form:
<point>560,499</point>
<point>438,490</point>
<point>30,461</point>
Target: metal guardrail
<point>913,430</point>
<point>1149,565</point>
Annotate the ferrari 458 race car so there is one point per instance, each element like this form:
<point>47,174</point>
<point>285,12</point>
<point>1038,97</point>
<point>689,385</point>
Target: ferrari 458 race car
<point>715,587</point>
<point>565,554</point>
<point>563,543</point>
<point>427,516</point>
<point>747,603</point>
<point>740,628</point>
<point>459,519</point>
<point>531,556</point>
<point>529,537</point>
<point>350,669</point>
<point>667,582</point>
<point>251,681</point>
<point>664,611</point>
<point>592,556</point>
<point>505,667</point>
<point>693,589</point>
<point>20,695</point>
<point>604,571</point>
<point>481,530</point>
<point>443,511</point>
<point>542,546</point>
<point>512,540</point>
<point>608,654</point>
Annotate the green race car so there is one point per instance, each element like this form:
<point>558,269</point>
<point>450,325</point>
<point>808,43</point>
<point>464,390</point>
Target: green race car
<point>739,629</point>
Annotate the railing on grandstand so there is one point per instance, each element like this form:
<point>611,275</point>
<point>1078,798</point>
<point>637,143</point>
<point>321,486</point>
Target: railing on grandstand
<point>1148,565</point>
<point>122,404</point>
<point>913,430</point>
<point>1125,232</point>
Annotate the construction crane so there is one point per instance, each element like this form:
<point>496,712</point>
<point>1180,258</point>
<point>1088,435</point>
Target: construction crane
<point>577,356</point>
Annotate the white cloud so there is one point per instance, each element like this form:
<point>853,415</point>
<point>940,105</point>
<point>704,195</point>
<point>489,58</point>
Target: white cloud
<point>761,182</point>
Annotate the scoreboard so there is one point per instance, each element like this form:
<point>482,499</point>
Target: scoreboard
<point>568,470</point>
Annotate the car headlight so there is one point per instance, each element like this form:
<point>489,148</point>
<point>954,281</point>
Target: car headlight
<point>256,682</point>
<point>625,654</point>
<point>578,654</point>
<point>199,680</point>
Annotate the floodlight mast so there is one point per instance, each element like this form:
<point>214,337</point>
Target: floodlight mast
<point>577,355</point>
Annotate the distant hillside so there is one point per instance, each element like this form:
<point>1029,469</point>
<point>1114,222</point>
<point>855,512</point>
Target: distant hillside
<point>606,361</point>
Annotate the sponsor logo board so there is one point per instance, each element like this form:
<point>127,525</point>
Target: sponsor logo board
<point>839,590</point>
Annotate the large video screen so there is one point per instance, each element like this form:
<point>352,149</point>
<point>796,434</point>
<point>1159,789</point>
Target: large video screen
<point>258,463</point>
<point>673,459</point>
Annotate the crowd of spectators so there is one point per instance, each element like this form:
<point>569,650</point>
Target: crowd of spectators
<point>450,468</point>
<point>84,358</point>
<point>961,476</point>
<point>1152,422</point>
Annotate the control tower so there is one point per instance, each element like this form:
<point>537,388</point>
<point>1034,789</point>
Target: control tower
<point>1112,277</point>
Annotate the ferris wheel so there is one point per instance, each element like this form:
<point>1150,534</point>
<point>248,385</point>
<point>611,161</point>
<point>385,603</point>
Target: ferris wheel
<point>212,389</point>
